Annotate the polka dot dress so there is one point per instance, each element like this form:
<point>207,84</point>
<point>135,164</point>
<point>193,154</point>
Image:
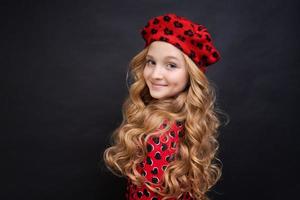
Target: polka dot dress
<point>161,150</point>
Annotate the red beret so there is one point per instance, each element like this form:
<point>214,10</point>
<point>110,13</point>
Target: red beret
<point>191,38</point>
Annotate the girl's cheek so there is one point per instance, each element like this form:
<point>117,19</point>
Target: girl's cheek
<point>147,72</point>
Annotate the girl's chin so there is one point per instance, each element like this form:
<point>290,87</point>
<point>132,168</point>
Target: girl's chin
<point>155,95</point>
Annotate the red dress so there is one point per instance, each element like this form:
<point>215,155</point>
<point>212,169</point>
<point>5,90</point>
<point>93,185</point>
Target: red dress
<point>161,150</point>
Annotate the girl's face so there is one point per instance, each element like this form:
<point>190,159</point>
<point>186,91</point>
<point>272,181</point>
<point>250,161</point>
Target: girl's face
<point>165,71</point>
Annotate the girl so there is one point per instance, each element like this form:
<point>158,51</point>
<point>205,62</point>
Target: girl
<point>166,144</point>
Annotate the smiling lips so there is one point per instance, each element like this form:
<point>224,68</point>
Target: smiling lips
<point>157,86</point>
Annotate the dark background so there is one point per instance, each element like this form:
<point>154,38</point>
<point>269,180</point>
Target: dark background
<point>63,68</point>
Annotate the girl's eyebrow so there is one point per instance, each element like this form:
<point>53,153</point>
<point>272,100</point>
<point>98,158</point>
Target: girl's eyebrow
<point>165,57</point>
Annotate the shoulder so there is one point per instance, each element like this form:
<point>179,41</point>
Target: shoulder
<point>177,124</point>
<point>176,127</point>
<point>171,131</point>
<point>161,150</point>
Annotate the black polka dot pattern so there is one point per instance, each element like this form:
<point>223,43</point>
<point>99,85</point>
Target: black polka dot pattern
<point>189,33</point>
<point>163,39</point>
<point>178,46</point>
<point>164,147</point>
<point>208,48</point>
<point>199,45</point>
<point>215,54</point>
<point>180,134</point>
<point>180,37</point>
<point>173,145</point>
<point>144,173</point>
<point>192,54</point>
<point>177,24</point>
<point>154,180</point>
<point>207,38</point>
<point>157,156</point>
<point>139,194</point>
<point>153,31</point>
<point>167,18</point>
<point>155,21</point>
<point>154,170</point>
<point>149,160</point>
<point>160,153</point>
<point>155,140</point>
<point>168,31</point>
<point>146,193</point>
<point>149,147</point>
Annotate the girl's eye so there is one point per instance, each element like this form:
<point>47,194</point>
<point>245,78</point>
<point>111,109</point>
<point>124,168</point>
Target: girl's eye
<point>169,65</point>
<point>172,65</point>
<point>150,62</point>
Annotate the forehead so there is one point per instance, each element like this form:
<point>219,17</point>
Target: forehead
<point>160,49</point>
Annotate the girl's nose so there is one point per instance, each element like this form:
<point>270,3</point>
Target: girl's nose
<point>157,72</point>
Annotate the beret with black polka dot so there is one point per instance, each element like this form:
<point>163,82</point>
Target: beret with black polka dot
<point>191,38</point>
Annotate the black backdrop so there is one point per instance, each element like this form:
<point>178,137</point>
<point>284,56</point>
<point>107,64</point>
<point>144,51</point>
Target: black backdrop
<point>63,67</point>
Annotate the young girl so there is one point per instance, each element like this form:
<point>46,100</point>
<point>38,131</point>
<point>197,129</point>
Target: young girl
<point>166,144</point>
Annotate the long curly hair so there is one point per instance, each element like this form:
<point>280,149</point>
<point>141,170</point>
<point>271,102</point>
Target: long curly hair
<point>196,168</point>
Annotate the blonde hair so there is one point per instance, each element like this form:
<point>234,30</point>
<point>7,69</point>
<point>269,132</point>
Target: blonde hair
<point>196,168</point>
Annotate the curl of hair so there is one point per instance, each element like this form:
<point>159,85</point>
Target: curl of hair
<point>196,168</point>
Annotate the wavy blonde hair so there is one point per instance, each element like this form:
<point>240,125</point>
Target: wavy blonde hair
<point>196,168</point>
